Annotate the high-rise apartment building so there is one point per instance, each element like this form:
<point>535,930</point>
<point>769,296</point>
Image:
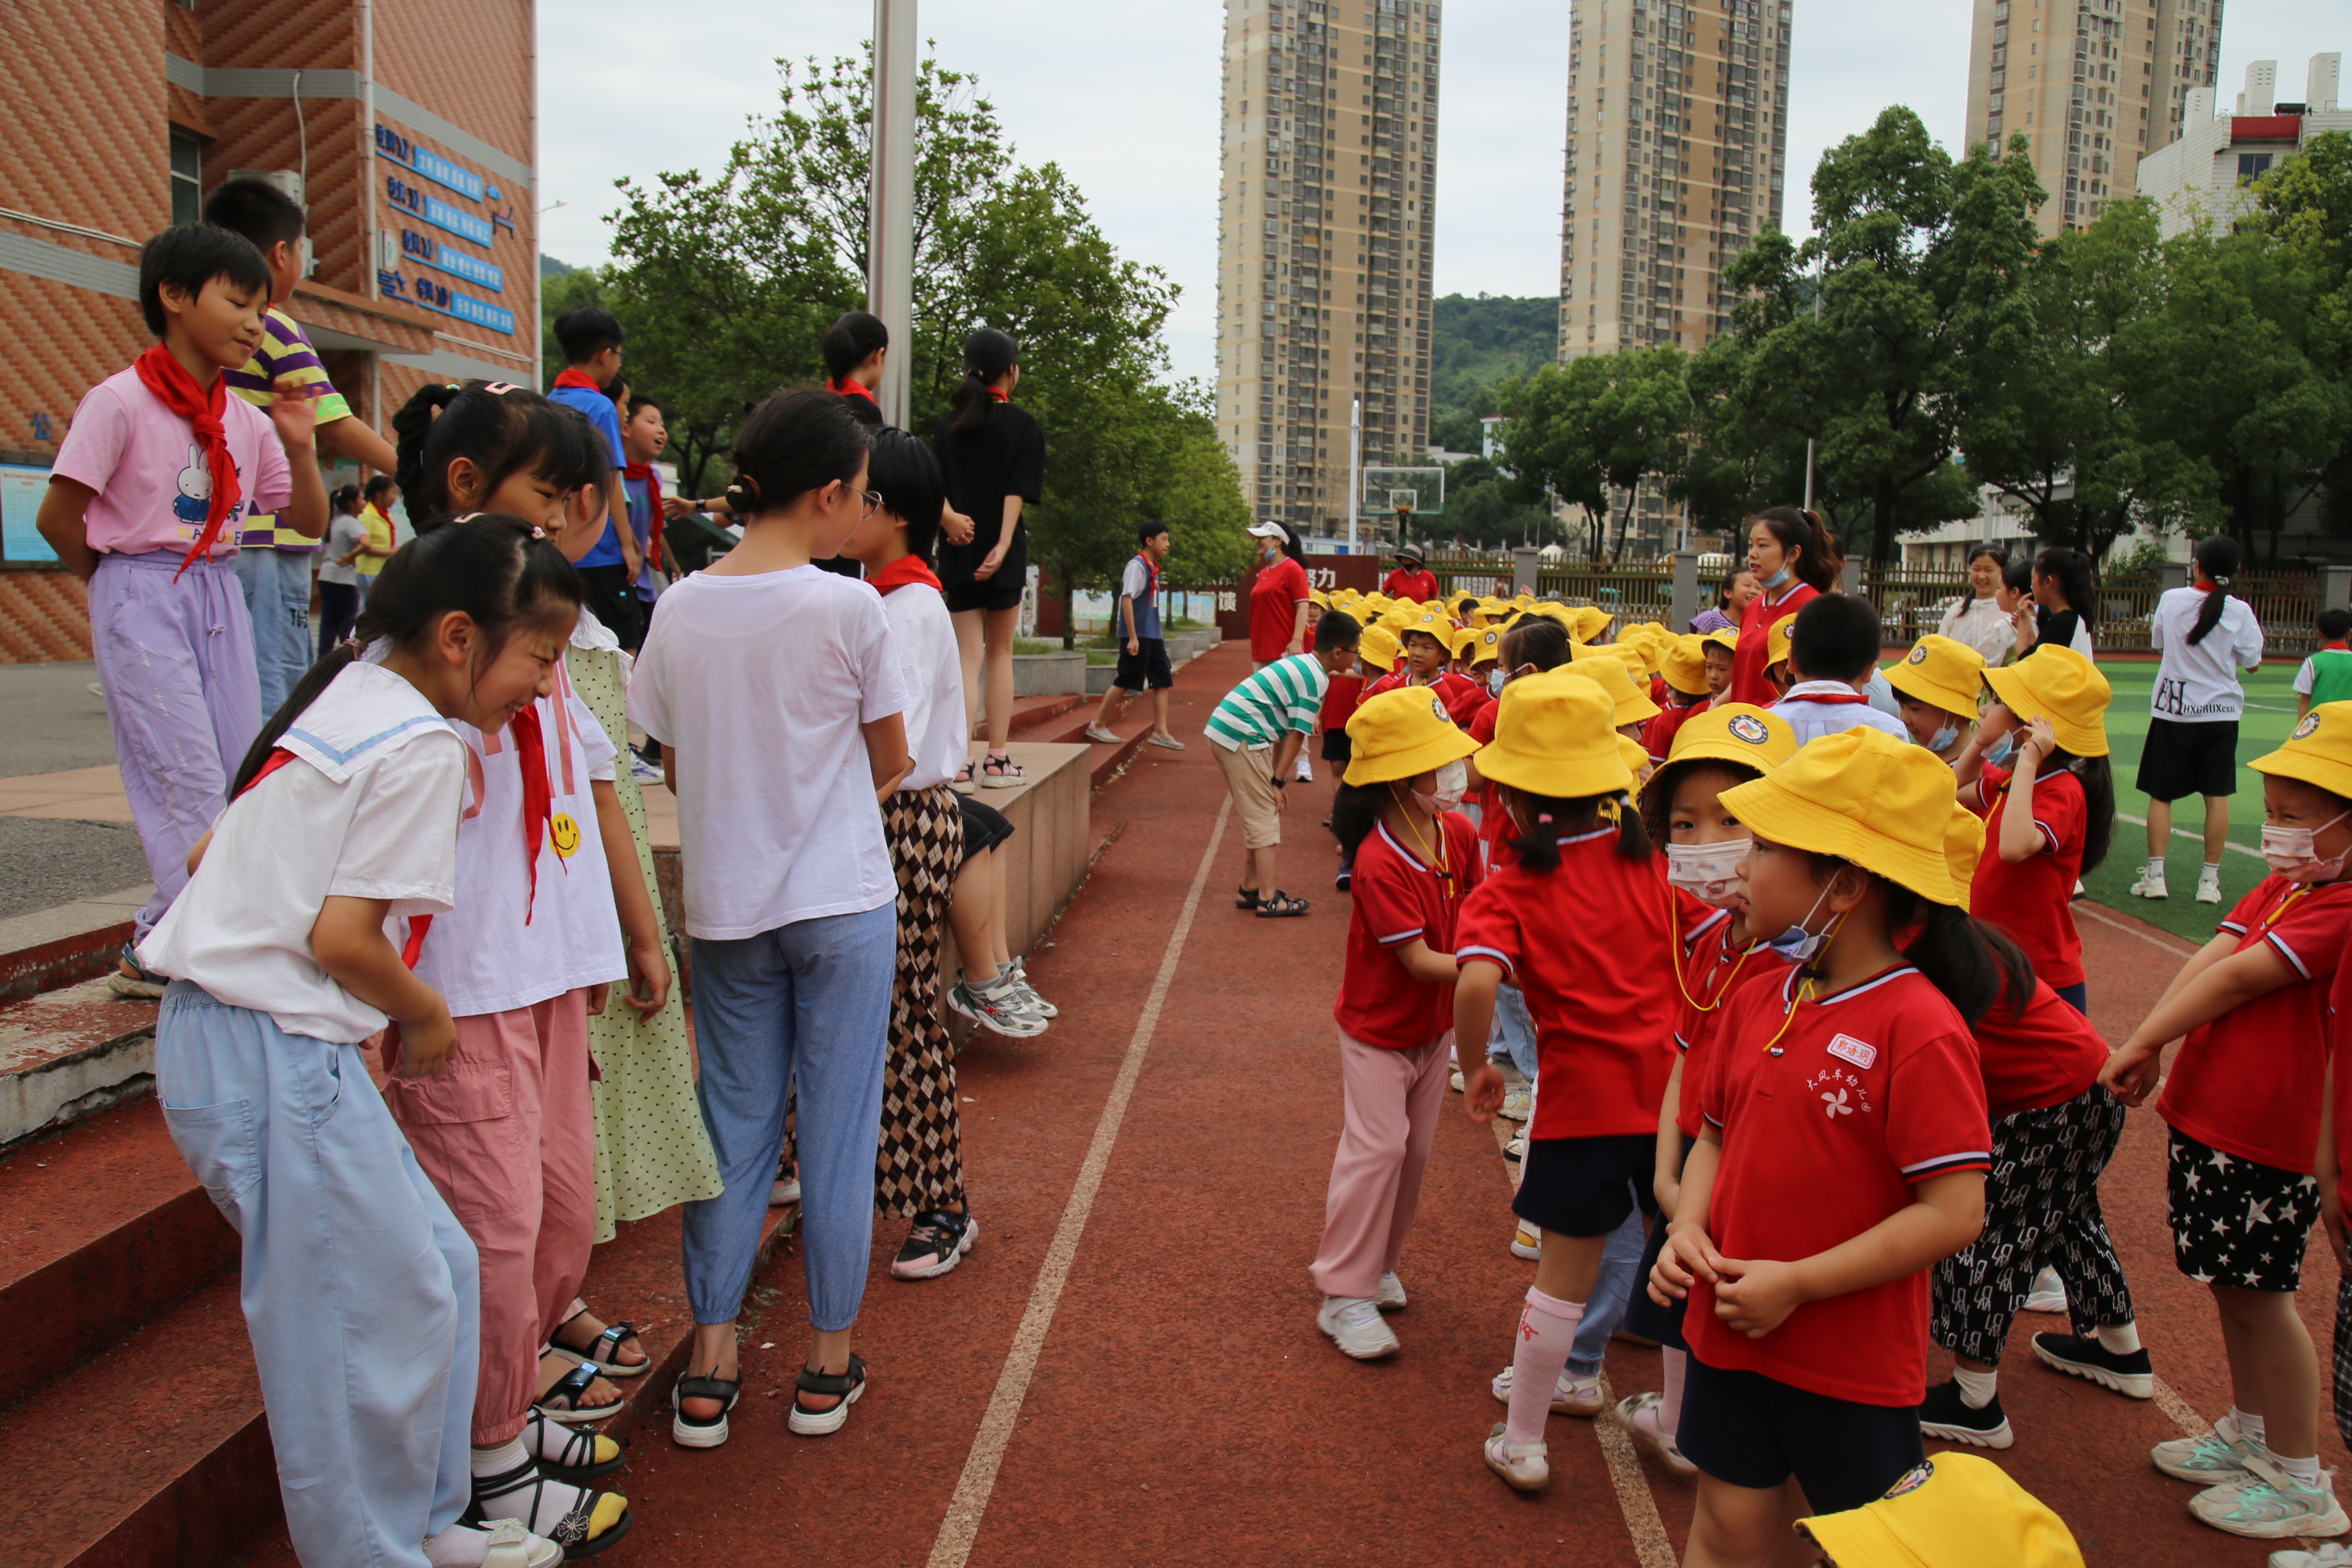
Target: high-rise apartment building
<point>2096,85</point>
<point>1677,142</point>
<point>1324,239</point>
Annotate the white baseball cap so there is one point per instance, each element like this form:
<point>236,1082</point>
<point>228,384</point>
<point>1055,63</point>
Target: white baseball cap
<point>1269,530</point>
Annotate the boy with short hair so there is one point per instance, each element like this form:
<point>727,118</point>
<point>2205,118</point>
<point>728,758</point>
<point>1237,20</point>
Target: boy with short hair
<point>152,484</point>
<point>1832,654</point>
<point>1143,656</point>
<point>2325,676</point>
<point>608,567</point>
<point>642,437</point>
<point>1717,648</point>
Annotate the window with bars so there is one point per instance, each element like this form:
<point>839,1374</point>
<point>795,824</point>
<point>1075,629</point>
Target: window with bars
<point>187,178</point>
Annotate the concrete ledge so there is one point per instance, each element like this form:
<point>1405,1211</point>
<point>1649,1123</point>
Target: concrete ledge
<point>49,948</point>
<point>1046,674</point>
<point>64,1054</point>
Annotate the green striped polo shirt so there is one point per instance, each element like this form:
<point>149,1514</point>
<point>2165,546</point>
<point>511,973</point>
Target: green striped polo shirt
<point>1283,698</point>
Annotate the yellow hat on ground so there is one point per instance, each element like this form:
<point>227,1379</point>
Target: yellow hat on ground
<point>1736,732</point>
<point>1589,622</point>
<point>2320,752</point>
<point>1631,703</point>
<point>1403,734</point>
<point>1942,673</point>
<point>1865,797</point>
<point>1956,1510</point>
<point>1776,642</point>
<point>1378,647</point>
<point>1725,638</point>
<point>2060,684</point>
<point>1556,736</point>
<point>1683,665</point>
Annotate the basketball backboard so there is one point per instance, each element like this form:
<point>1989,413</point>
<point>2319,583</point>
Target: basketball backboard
<point>1421,492</point>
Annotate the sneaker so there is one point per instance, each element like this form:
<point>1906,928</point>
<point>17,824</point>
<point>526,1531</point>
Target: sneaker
<point>1456,1080</point>
<point>643,772</point>
<point>1576,1397</point>
<point>1029,997</point>
<point>129,980</point>
<point>1001,772</point>
<point>1945,1416</point>
<point>1345,881</point>
<point>2049,1294</point>
<point>963,782</point>
<point>1306,773</point>
<point>1097,733</point>
<point>2270,1506</point>
<point>1527,1243</point>
<point>2221,1456</point>
<point>1521,1465</point>
<point>1165,743</point>
<point>1389,1295</point>
<point>935,1246</point>
<point>1518,1104</point>
<point>994,1008</point>
<point>2131,1375</point>
<point>1355,1326</point>
<point>2208,891</point>
<point>784,1192</point>
<point>1644,1415</point>
<point>1516,1150</point>
<point>2151,881</point>
<point>2328,1555</point>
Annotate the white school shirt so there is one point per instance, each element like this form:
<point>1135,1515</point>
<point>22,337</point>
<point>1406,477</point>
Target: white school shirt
<point>369,811</point>
<point>1845,709</point>
<point>761,683</point>
<point>1980,624</point>
<point>484,956</point>
<point>923,633</point>
<point>2200,685</point>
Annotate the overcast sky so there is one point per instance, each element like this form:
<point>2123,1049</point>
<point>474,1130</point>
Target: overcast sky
<point>1124,97</point>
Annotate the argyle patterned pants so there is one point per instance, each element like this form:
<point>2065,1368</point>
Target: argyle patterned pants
<point>918,1165</point>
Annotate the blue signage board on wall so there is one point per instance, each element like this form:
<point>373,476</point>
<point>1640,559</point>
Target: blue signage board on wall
<point>435,295</point>
<point>392,144</point>
<point>424,248</point>
<point>435,211</point>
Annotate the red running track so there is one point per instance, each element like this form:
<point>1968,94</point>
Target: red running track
<point>1174,1403</point>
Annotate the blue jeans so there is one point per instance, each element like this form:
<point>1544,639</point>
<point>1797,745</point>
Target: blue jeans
<point>1613,1292</point>
<point>278,596</point>
<point>362,1292</point>
<point>805,1004</point>
<point>1514,1031</point>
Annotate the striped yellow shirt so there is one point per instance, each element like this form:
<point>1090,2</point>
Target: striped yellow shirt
<point>284,355</point>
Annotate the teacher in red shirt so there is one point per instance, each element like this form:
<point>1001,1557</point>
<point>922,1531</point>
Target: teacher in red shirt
<point>1795,558</point>
<point>1279,597</point>
<point>1410,580</point>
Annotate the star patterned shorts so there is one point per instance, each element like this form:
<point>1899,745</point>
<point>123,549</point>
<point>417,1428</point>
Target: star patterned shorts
<point>2237,1222</point>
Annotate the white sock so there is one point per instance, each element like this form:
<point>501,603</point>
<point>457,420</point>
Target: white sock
<point>2118,1339</point>
<point>1670,1411</point>
<point>497,1461</point>
<point>1539,1354</point>
<point>2250,1424</point>
<point>1977,1388</point>
<point>2307,1471</point>
<point>2212,869</point>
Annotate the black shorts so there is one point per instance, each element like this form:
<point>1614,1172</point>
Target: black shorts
<point>612,599</point>
<point>2181,760</point>
<point>1338,745</point>
<point>984,827</point>
<point>1146,669</point>
<point>1585,1187</point>
<point>1001,589</point>
<point>1749,1430</point>
<point>2209,1195</point>
<point>1643,1316</point>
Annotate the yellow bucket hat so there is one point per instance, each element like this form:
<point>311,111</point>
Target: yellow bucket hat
<point>1962,1512</point>
<point>1590,621</point>
<point>1401,735</point>
<point>1683,665</point>
<point>1776,642</point>
<point>1865,797</point>
<point>1964,843</point>
<point>1480,644</point>
<point>2061,684</point>
<point>1736,732</point>
<point>1631,703</point>
<point>1556,736</point>
<point>1942,673</point>
<point>2320,752</point>
<point>1636,758</point>
<point>1378,647</point>
<point>1725,638</point>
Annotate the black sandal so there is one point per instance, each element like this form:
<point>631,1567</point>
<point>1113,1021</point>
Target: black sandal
<point>688,1432</point>
<point>570,1532</point>
<point>600,1348</point>
<point>1281,906</point>
<point>571,1388</point>
<point>1246,897</point>
<point>574,1459</point>
<point>849,1385</point>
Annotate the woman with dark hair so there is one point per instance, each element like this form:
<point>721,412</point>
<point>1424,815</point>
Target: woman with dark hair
<point>2061,590</point>
<point>1977,618</point>
<point>1278,595</point>
<point>2207,637</point>
<point>1731,601</point>
<point>1795,558</point>
<point>993,455</point>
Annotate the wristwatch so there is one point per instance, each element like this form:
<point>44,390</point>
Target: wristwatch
<point>1279,781</point>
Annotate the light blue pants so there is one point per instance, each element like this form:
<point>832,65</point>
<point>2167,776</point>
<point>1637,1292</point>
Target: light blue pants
<point>361,1289</point>
<point>277,597</point>
<point>1613,1292</point>
<point>806,1004</point>
<point>1513,1033</point>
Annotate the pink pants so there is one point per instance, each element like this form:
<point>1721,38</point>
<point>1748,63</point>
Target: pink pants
<point>506,1132</point>
<point>1394,1099</point>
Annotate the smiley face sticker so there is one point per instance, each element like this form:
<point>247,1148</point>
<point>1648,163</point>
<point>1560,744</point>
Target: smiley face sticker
<point>563,834</point>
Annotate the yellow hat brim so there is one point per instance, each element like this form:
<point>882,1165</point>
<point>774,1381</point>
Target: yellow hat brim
<point>2009,682</point>
<point>2307,767</point>
<point>1412,761</point>
<point>1790,819</point>
<point>1759,757</point>
<point>1915,683</point>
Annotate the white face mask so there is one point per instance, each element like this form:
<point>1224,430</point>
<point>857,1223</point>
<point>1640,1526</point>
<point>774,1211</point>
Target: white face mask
<point>1494,681</point>
<point>1709,872</point>
<point>2292,852</point>
<point>1453,784</point>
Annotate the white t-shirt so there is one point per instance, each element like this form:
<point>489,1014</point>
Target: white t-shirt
<point>1845,709</point>
<point>2200,685</point>
<point>1980,624</point>
<point>369,811</point>
<point>484,956</point>
<point>924,634</point>
<point>760,684</point>
<point>345,534</point>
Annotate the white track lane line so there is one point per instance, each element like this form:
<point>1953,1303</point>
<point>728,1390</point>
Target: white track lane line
<point>2084,907</point>
<point>968,1506</point>
<point>2193,837</point>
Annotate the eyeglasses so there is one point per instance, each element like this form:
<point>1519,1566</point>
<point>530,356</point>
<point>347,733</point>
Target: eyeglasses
<point>873,501</point>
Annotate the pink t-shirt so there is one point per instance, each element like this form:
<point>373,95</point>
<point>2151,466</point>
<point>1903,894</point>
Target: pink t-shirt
<point>148,469</point>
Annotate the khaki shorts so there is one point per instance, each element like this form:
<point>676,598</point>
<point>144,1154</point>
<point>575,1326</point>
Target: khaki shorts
<point>1249,779</point>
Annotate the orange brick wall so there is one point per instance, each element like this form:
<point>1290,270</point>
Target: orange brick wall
<point>44,616</point>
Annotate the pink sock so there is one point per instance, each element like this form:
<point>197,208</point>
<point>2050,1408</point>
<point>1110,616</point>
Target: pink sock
<point>1547,1333</point>
<point>1670,1412</point>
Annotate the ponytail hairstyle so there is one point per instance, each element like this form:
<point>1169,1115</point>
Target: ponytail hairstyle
<point>1534,640</point>
<point>1290,545</point>
<point>1820,558</point>
<point>2098,777</point>
<point>2216,560</point>
<point>987,355</point>
<point>1547,820</point>
<point>347,498</point>
<point>1976,968</point>
<point>797,442</point>
<point>2071,569</point>
<point>502,429</point>
<point>1355,809</point>
<point>498,572</point>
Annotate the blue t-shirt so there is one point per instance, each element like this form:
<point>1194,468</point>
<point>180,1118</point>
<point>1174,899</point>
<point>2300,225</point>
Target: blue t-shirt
<point>607,419</point>
<point>641,524</point>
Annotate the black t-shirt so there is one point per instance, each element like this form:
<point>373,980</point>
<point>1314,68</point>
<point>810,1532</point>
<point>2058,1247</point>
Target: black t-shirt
<point>1005,456</point>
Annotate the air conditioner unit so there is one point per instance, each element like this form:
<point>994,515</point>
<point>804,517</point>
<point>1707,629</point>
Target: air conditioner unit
<point>288,182</point>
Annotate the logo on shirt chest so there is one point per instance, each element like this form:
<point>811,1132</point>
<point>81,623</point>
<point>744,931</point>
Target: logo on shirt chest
<point>1855,1051</point>
<point>563,834</point>
<point>1842,1092</point>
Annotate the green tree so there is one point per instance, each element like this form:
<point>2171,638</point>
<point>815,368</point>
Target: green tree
<point>1594,428</point>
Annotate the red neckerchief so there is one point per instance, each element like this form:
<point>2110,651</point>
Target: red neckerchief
<point>575,377</point>
<point>850,386</point>
<point>1828,699</point>
<point>2337,646</point>
<point>1000,396</point>
<point>1151,575</point>
<point>900,573</point>
<point>538,799</point>
<point>654,505</point>
<point>173,387</point>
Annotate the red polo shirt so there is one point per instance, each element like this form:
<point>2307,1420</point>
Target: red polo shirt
<point>2034,900</point>
<point>1419,585</point>
<point>1747,682</point>
<point>1712,968</point>
<point>1398,897</point>
<point>1274,601</point>
<point>1870,1090</point>
<point>2249,1082</point>
<point>1658,735</point>
<point>2042,1055</point>
<point>1593,946</point>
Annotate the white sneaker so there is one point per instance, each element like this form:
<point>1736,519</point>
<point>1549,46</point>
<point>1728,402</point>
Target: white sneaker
<point>1097,733</point>
<point>1355,1326</point>
<point>2271,1507</point>
<point>1389,1297</point>
<point>1518,1105</point>
<point>1527,1243</point>
<point>2220,1456</point>
<point>784,1192</point>
<point>1306,770</point>
<point>1457,1081</point>
<point>2049,1294</point>
<point>1522,1465</point>
<point>1517,1149</point>
<point>2151,881</point>
<point>1643,1415</point>
<point>645,773</point>
<point>2209,886</point>
<point>2330,1554</point>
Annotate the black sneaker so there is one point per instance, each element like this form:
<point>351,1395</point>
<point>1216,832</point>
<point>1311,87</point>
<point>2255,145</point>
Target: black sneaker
<point>1345,881</point>
<point>935,1246</point>
<point>2129,1376</point>
<point>1946,1415</point>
